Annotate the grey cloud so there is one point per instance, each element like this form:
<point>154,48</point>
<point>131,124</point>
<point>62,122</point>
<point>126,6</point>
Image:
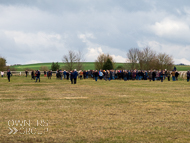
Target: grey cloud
<point>116,25</point>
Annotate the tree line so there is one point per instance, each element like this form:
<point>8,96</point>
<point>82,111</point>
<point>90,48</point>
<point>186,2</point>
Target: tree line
<point>144,59</point>
<point>147,59</point>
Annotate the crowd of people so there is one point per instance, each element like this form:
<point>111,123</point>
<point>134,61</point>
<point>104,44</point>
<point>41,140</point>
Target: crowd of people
<point>151,75</point>
<point>125,75</point>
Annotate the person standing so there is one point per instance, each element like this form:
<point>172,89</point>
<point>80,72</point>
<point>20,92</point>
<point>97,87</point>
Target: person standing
<point>67,74</point>
<point>75,76</point>
<point>134,75</point>
<point>2,73</point>
<point>108,75</point>
<point>26,72</point>
<point>161,75</point>
<point>173,75</point>
<point>84,74</point>
<point>71,76</point>
<point>61,74</point>
<point>87,74</point>
<point>105,75</point>
<point>153,75</point>
<point>8,75</point>
<point>100,75</point>
<point>176,75</point>
<point>96,75</point>
<point>188,76</point>
<point>125,74</point>
<point>175,68</point>
<point>32,75</point>
<point>64,73</point>
<point>168,74</point>
<point>150,75</point>
<point>81,74</point>
<point>38,75</point>
<point>49,74</point>
<point>45,73</point>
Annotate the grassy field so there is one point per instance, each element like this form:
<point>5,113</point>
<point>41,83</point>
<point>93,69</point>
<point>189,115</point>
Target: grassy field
<point>87,66</point>
<point>103,111</point>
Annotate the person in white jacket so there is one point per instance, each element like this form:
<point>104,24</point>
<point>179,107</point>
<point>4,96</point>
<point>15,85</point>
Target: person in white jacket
<point>2,73</point>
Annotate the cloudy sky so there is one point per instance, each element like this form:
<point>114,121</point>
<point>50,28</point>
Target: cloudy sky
<point>44,30</point>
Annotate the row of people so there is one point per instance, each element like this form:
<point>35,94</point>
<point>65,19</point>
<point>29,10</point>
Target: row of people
<point>131,74</point>
<point>109,74</point>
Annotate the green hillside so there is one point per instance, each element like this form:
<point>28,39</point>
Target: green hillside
<point>87,66</point>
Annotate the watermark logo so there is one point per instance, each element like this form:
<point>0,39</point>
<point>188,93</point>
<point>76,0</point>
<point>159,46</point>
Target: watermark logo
<point>13,130</point>
<point>28,126</point>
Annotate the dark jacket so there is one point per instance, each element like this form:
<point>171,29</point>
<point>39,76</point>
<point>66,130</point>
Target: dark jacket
<point>9,74</point>
<point>37,74</point>
<point>75,74</point>
<point>72,75</point>
<point>153,74</point>
<point>96,74</point>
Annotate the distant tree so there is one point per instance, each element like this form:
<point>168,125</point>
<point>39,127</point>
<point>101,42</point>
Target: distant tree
<point>44,68</point>
<point>148,59</point>
<point>55,66</point>
<point>74,60</point>
<point>79,61</point>
<point>101,60</point>
<point>2,63</point>
<point>164,61</point>
<point>132,56</point>
<point>69,60</point>
<point>108,65</point>
<point>141,59</point>
<point>120,67</point>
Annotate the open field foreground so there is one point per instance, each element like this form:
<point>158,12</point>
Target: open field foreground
<point>102,111</point>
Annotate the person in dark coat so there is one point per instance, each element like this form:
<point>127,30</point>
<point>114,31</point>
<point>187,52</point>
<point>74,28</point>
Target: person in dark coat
<point>134,75</point>
<point>176,75</point>
<point>188,76</point>
<point>75,76</point>
<point>150,75</point>
<point>119,75</point>
<point>67,73</point>
<point>84,74</point>
<point>45,73</point>
<point>161,75</point>
<point>38,75</point>
<point>96,75</point>
<point>49,74</point>
<point>175,68</point>
<point>71,76</point>
<point>26,72</point>
<point>8,75</point>
<point>153,75</point>
<point>125,74</point>
<point>32,75</point>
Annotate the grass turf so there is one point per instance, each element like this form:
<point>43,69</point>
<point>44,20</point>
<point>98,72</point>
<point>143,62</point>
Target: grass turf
<point>103,111</point>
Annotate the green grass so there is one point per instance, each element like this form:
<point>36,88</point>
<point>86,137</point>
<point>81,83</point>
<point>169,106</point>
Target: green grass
<point>183,68</point>
<point>102,111</point>
<point>87,66</point>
